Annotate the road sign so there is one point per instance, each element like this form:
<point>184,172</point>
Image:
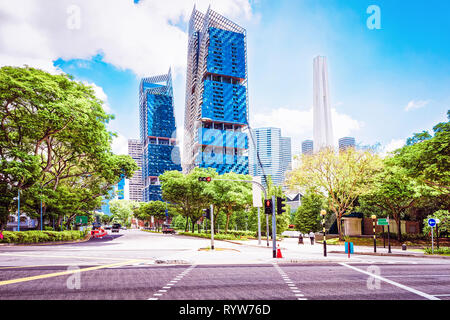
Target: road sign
<point>81,219</point>
<point>383,222</point>
<point>431,222</point>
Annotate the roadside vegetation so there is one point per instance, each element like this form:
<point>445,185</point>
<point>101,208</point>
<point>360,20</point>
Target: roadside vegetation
<point>410,183</point>
<point>42,236</point>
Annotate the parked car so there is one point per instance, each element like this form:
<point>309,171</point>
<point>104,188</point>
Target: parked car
<point>115,227</point>
<point>168,229</point>
<point>107,227</point>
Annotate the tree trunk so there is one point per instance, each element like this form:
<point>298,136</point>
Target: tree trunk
<point>399,228</point>
<point>186,227</point>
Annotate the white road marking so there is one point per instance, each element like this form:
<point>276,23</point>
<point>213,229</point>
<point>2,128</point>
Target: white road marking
<point>289,282</point>
<point>442,295</point>
<point>173,282</point>
<point>420,293</point>
<point>420,276</point>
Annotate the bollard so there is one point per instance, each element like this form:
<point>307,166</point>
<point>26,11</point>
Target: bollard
<point>404,247</point>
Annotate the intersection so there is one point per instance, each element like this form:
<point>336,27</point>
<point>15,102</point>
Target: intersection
<point>136,265</point>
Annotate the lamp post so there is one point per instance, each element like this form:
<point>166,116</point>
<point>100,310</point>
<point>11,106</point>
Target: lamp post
<point>18,210</point>
<point>323,214</point>
<point>374,218</point>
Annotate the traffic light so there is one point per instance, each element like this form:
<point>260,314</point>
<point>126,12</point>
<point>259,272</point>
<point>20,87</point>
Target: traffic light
<point>207,179</point>
<point>280,205</point>
<point>268,206</point>
<point>207,213</point>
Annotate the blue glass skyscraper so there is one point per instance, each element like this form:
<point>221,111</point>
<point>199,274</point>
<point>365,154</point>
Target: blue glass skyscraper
<point>216,114</point>
<point>160,152</point>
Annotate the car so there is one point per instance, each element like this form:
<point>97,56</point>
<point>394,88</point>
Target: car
<point>124,228</point>
<point>107,227</point>
<point>115,227</point>
<point>168,229</point>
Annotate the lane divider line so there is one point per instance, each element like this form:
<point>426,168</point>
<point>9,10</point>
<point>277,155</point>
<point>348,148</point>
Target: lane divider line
<point>171,283</point>
<point>399,285</point>
<point>57,274</point>
<point>295,291</point>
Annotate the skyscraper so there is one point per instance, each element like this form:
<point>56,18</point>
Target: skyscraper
<point>307,147</point>
<point>323,129</point>
<point>216,114</point>
<point>346,142</point>
<point>274,153</point>
<point>157,126</point>
<point>136,185</point>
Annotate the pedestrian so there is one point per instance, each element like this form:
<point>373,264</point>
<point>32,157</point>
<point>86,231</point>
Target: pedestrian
<point>300,238</point>
<point>1,235</point>
<point>311,237</point>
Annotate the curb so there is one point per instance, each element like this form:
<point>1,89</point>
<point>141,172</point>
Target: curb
<point>393,255</point>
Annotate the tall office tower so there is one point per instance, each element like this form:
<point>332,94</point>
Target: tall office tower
<point>136,185</point>
<point>216,114</point>
<point>274,153</point>
<point>160,152</point>
<point>286,154</point>
<point>323,129</point>
<point>346,142</point>
<point>307,147</point>
<point>121,189</point>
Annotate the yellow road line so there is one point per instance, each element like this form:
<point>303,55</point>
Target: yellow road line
<point>57,256</point>
<point>57,274</point>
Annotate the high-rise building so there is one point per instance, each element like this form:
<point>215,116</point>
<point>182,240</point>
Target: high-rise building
<point>323,129</point>
<point>307,147</point>
<point>286,154</point>
<point>216,114</point>
<point>135,184</point>
<point>346,142</point>
<point>274,152</point>
<point>157,126</point>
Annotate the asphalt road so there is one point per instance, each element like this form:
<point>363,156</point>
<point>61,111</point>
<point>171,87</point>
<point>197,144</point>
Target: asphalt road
<point>124,267</point>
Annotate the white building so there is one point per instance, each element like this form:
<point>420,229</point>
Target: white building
<point>323,129</point>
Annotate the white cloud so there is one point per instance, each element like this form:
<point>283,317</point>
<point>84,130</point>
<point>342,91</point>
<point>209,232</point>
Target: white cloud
<point>120,144</point>
<point>141,37</point>
<point>393,145</point>
<point>100,94</point>
<point>416,104</point>
<point>298,124</point>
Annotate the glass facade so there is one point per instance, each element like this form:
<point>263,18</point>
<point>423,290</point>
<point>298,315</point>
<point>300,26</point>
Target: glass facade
<point>160,151</point>
<point>216,115</point>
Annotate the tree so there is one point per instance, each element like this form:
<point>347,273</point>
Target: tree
<point>427,158</point>
<point>186,193</point>
<point>341,177</point>
<point>308,213</point>
<point>394,192</point>
<point>54,139</point>
<point>157,209</point>
<point>122,211</point>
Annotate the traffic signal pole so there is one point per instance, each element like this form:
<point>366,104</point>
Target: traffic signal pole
<point>212,228</point>
<point>274,229</point>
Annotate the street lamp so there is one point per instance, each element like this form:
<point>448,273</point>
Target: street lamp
<point>374,218</point>
<point>323,214</point>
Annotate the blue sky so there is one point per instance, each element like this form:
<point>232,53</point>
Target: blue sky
<point>374,74</point>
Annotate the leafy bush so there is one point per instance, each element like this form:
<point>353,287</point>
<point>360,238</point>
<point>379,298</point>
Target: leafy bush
<point>442,250</point>
<point>218,236</point>
<point>41,236</point>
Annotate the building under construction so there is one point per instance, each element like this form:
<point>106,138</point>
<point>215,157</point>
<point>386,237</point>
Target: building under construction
<point>216,114</point>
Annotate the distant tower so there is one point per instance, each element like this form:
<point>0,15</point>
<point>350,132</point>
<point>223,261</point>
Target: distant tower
<point>323,129</point>
<point>346,142</point>
<point>307,147</point>
<point>136,184</point>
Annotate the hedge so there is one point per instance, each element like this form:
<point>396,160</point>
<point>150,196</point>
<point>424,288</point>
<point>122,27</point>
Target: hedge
<point>218,236</point>
<point>34,236</point>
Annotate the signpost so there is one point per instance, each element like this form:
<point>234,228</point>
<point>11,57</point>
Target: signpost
<point>385,222</point>
<point>432,224</point>
<point>257,202</point>
<point>81,219</point>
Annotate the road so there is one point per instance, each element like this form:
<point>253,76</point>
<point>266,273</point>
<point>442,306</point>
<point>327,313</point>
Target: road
<point>136,265</point>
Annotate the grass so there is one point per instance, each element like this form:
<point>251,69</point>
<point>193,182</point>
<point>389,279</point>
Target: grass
<point>444,251</point>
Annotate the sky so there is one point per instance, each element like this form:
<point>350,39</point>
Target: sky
<point>389,69</point>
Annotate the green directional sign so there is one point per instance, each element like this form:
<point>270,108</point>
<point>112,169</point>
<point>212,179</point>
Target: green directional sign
<point>383,222</point>
<point>81,219</point>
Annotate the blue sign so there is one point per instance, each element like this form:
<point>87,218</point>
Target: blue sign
<point>431,222</point>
